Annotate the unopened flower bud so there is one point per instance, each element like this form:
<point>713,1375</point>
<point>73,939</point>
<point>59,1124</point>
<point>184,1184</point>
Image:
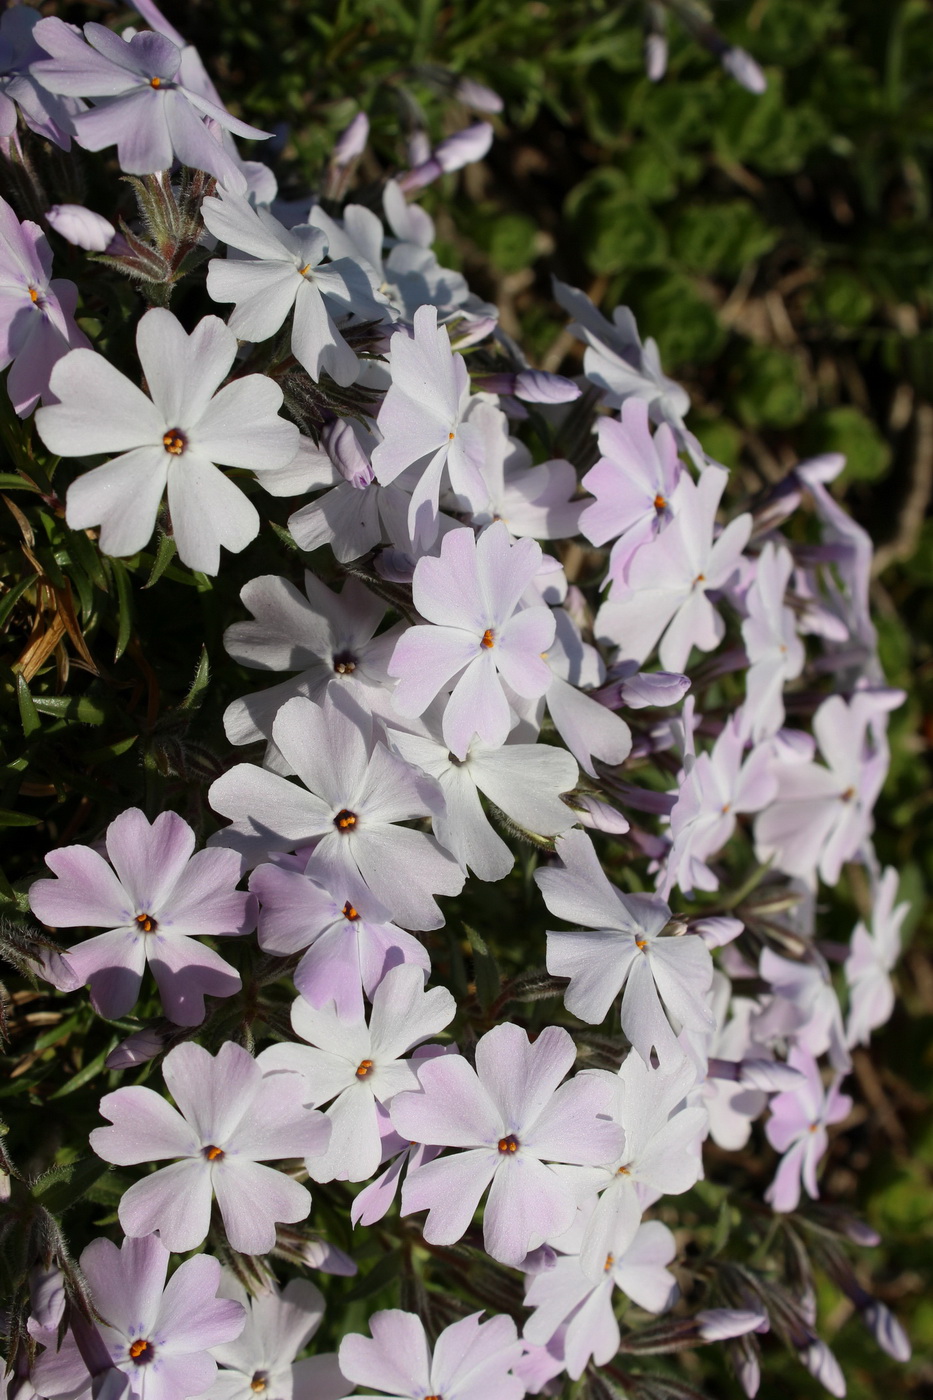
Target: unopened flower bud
<point>464,147</point>
<point>352,141</point>
<point>477,95</point>
<point>596,814</point>
<point>347,454</point>
<point>741,66</point>
<point>656,57</point>
<point>137,1049</point>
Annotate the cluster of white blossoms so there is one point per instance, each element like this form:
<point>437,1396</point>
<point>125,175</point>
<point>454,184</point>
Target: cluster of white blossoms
<point>477,688</point>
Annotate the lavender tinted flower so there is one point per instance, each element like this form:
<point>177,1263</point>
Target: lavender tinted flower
<point>37,326</point>
<point>471,1360</point>
<point>510,1117</point>
<point>231,1118</point>
<point>154,898</point>
<point>159,1335</point>
<point>142,107</point>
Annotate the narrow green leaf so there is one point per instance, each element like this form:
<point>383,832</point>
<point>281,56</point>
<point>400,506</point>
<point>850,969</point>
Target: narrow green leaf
<point>12,481</point>
<point>28,713</point>
<point>63,1186</point>
<point>17,818</point>
<point>59,1032</point>
<point>202,677</point>
<point>485,969</point>
<point>164,555</point>
<point>77,707</point>
<point>85,1075</point>
<point>109,751</point>
<point>384,1273</point>
<point>121,581</point>
<point>12,598</point>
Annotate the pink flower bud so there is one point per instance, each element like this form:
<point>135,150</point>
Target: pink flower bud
<point>598,815</point>
<point>656,57</point>
<point>137,1049</point>
<point>464,147</point>
<point>476,95</point>
<point>352,141</point>
<point>741,66</point>
<point>346,453</point>
<point>321,1254</point>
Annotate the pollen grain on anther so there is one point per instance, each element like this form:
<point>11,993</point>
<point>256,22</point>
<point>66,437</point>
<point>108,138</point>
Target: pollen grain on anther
<point>147,923</point>
<point>345,820</point>
<point>174,442</point>
<point>344,663</point>
<point>364,1069</point>
<point>508,1145</point>
<point>488,639</point>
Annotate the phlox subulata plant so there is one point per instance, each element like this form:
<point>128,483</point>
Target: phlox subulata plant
<point>501,648</point>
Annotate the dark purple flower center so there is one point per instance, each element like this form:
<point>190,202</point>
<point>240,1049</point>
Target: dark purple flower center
<point>147,923</point>
<point>213,1154</point>
<point>174,441</point>
<point>259,1382</point>
<point>364,1069</point>
<point>508,1144</point>
<point>350,913</point>
<point>345,821</point>
<point>141,1351</point>
<point>344,663</point>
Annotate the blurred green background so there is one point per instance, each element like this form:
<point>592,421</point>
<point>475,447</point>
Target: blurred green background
<point>780,250</point>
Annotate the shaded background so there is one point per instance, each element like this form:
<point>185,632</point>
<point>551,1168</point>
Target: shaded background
<point>780,249</point>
